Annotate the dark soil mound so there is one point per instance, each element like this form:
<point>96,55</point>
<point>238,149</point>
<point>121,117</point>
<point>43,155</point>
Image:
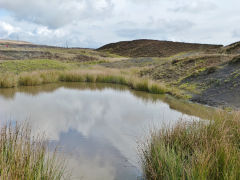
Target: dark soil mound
<point>154,48</point>
<point>222,84</point>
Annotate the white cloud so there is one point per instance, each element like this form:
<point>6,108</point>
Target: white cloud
<point>92,23</point>
<point>7,29</point>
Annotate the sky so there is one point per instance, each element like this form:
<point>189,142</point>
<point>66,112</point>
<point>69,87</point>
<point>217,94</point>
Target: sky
<point>93,23</point>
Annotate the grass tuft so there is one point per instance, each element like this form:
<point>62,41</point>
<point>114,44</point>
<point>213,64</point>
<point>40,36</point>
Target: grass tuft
<point>8,80</point>
<point>114,79</point>
<point>71,76</point>
<point>156,89</point>
<point>49,76</point>
<point>90,78</point>
<point>141,85</point>
<point>25,157</point>
<point>198,150</point>
<point>30,79</point>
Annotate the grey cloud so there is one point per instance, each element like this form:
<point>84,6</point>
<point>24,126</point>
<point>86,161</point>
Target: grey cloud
<point>92,23</point>
<point>57,13</point>
<point>137,33</point>
<point>159,28</point>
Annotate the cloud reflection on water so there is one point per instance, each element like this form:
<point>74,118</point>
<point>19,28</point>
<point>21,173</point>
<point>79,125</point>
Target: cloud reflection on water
<point>98,130</point>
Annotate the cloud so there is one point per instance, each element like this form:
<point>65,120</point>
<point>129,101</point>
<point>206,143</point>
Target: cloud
<point>92,23</point>
<point>158,28</point>
<point>7,29</point>
<point>57,13</point>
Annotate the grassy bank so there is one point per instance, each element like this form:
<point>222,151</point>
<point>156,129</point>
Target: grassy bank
<point>9,80</point>
<point>18,66</point>
<point>25,157</point>
<point>199,150</point>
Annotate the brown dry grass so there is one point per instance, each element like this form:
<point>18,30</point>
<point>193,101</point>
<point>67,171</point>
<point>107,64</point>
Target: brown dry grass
<point>93,76</point>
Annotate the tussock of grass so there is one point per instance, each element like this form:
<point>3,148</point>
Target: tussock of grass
<point>156,89</point>
<point>71,76</point>
<point>25,157</point>
<point>49,77</point>
<point>196,150</point>
<point>142,85</point>
<point>8,80</point>
<point>90,78</point>
<point>38,78</point>
<point>114,79</point>
<point>30,79</point>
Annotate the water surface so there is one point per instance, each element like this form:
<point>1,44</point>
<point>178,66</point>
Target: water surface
<point>98,127</point>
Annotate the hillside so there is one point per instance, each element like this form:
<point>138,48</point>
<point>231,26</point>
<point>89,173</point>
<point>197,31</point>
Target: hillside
<point>154,48</point>
<point>208,74</point>
<point>21,50</point>
<point>232,48</point>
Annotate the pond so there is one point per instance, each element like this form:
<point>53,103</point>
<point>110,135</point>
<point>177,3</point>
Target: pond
<point>98,127</point>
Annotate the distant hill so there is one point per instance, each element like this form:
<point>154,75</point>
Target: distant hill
<point>154,48</point>
<point>12,42</point>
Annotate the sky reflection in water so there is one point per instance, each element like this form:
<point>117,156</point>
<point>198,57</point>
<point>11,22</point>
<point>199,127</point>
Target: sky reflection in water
<point>97,129</point>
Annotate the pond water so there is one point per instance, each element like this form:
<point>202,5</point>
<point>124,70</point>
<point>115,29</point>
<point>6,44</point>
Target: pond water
<point>98,127</point>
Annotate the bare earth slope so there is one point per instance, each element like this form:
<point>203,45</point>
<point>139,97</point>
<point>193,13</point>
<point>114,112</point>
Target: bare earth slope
<point>154,48</point>
<point>221,84</point>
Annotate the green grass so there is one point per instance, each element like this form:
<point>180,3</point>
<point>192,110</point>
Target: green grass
<point>155,89</point>
<point>25,157</point>
<point>112,79</point>
<point>190,87</point>
<point>198,150</point>
<point>18,66</point>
